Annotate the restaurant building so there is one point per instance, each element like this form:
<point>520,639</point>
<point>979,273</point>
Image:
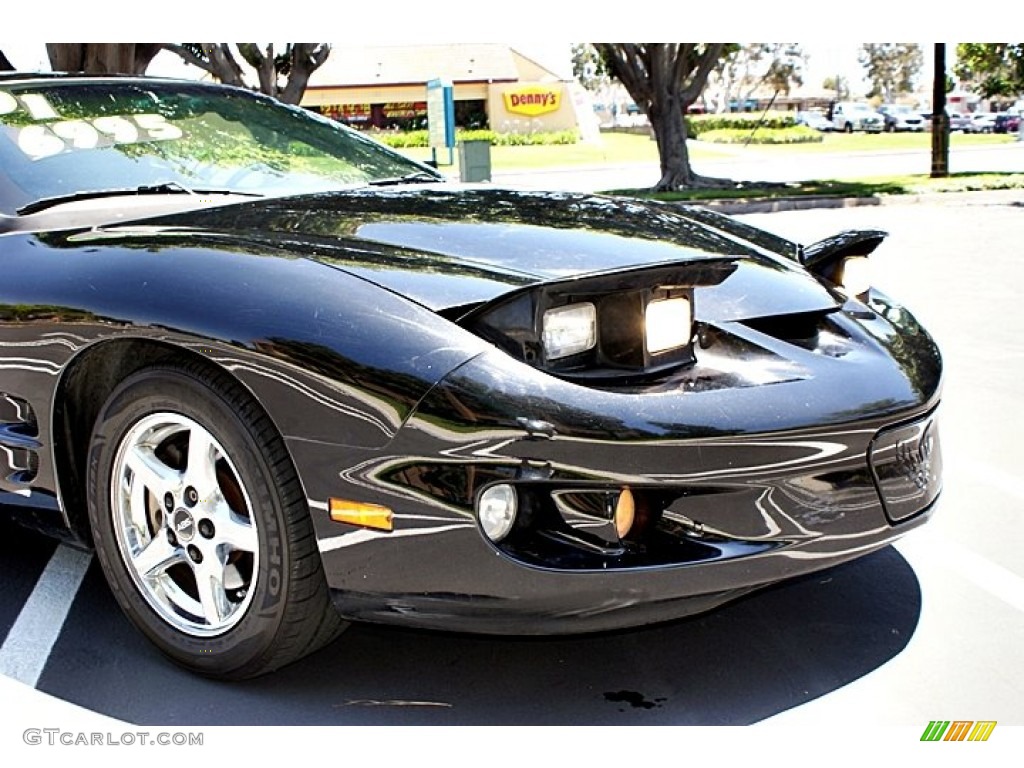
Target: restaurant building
<point>494,86</point>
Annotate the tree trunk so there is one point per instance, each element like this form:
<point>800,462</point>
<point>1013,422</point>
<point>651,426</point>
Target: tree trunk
<point>263,63</point>
<point>305,59</point>
<point>102,58</point>
<point>670,133</point>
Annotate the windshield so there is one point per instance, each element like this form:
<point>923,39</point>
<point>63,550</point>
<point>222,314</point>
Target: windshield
<point>68,137</point>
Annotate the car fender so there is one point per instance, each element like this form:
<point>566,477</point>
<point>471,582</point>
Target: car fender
<point>330,356</point>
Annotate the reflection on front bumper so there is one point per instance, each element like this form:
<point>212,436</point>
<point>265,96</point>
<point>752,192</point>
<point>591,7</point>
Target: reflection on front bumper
<point>906,461</point>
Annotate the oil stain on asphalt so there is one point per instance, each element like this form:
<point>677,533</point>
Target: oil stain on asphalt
<point>634,699</point>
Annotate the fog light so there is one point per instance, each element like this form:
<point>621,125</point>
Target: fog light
<point>668,324</point>
<point>569,330</point>
<point>625,513</point>
<point>496,509</point>
<point>855,275</point>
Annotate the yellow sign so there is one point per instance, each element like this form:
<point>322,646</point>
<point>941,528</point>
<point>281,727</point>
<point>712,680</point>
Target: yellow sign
<point>533,100</point>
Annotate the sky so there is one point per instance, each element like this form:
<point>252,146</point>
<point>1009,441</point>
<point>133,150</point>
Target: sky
<point>836,30</point>
<point>824,59</point>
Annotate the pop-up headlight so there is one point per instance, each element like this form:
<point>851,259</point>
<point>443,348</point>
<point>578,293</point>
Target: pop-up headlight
<point>668,324</point>
<point>854,275</point>
<point>569,330</point>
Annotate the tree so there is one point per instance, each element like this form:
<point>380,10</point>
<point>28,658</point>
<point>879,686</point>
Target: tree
<point>891,67</point>
<point>744,69</point>
<point>294,64</point>
<point>998,68</point>
<point>786,69</point>
<point>664,79</point>
<point>588,67</point>
<point>839,84</point>
<point>102,58</point>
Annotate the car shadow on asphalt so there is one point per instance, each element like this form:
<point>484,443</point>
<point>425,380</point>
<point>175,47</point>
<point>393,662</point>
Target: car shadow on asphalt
<point>769,652</point>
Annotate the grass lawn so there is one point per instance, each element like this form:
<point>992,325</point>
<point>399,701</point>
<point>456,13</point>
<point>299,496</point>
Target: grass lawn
<point>624,148</point>
<point>883,142</point>
<point>614,149</point>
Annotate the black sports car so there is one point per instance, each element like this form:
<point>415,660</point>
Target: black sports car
<point>281,377</point>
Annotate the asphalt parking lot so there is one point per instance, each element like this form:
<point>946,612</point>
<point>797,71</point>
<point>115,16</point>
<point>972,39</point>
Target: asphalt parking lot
<point>931,627</point>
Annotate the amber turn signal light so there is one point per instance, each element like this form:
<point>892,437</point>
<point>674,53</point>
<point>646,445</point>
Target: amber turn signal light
<point>625,513</point>
<point>358,513</point>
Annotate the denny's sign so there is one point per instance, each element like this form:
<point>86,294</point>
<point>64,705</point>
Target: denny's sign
<point>533,100</point>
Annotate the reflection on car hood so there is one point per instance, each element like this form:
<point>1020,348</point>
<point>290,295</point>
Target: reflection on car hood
<point>448,246</point>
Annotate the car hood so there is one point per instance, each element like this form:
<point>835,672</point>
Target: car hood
<point>449,247</point>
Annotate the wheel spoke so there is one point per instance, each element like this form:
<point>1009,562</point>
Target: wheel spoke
<point>156,557</point>
<point>234,530</point>
<point>210,584</point>
<point>202,459</point>
<point>151,472</point>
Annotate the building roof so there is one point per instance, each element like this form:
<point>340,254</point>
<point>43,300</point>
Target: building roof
<point>351,66</point>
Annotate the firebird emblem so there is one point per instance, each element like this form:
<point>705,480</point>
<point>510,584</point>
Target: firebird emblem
<point>914,457</point>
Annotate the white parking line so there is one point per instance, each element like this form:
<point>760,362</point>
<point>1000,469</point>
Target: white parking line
<point>995,477</point>
<point>985,574</point>
<point>28,644</point>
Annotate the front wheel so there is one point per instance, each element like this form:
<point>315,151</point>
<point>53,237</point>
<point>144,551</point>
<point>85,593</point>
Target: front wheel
<point>201,526</point>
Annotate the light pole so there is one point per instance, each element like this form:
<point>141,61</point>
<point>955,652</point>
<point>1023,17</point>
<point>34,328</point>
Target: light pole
<point>940,120</point>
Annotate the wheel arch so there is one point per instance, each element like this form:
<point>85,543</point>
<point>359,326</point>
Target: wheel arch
<point>86,383</point>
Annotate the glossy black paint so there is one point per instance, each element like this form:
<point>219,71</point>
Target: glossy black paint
<point>337,312</point>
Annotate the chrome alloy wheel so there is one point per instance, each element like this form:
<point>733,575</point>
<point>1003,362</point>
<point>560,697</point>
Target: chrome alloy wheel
<point>184,524</point>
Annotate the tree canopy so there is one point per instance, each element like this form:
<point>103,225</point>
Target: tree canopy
<point>743,69</point>
<point>588,67</point>
<point>891,67</point>
<point>839,84</point>
<point>996,68</point>
<point>293,65</point>
<point>282,73</point>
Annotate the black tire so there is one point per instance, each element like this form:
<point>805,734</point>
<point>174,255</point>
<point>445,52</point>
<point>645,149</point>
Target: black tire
<point>238,508</point>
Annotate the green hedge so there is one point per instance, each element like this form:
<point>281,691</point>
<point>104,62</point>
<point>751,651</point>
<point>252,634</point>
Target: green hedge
<point>799,134</point>
<point>700,124</point>
<point>409,139</point>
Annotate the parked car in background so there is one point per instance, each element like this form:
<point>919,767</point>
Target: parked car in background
<point>1006,122</point>
<point>900,117</point>
<point>814,120</point>
<point>850,116</point>
<point>958,121</point>
<point>981,122</point>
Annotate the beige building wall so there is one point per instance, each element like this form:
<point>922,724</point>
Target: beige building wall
<point>520,107</point>
<point>511,85</point>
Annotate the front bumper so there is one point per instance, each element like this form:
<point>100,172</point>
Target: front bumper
<point>746,485</point>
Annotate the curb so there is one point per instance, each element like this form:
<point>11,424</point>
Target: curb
<point>774,205</point>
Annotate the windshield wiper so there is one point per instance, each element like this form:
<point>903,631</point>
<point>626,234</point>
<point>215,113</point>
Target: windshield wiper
<point>164,188</point>
<point>416,177</point>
